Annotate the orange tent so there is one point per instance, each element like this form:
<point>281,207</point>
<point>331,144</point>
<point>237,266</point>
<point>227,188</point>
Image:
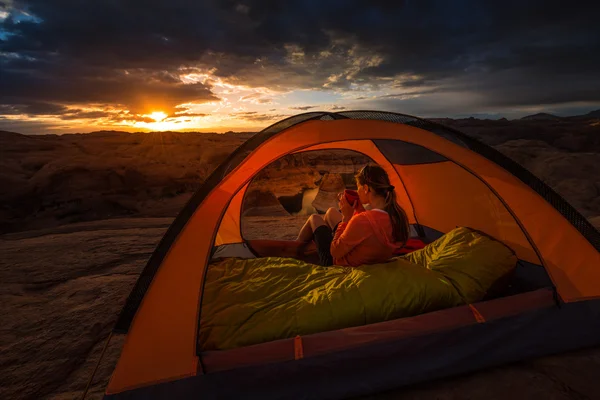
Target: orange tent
<point>443,179</point>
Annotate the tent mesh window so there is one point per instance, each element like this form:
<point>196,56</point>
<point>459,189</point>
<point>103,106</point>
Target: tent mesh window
<point>288,122</point>
<point>379,115</point>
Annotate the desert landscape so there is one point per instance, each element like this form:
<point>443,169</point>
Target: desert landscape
<point>80,214</point>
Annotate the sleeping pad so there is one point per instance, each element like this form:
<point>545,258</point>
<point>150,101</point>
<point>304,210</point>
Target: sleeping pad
<point>250,301</point>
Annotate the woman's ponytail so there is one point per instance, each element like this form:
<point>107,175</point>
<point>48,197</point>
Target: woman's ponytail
<point>400,227</point>
<point>375,177</point>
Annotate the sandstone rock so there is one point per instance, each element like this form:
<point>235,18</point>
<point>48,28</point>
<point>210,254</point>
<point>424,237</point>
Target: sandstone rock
<point>332,183</point>
<point>330,186</point>
<point>262,203</point>
<point>62,179</point>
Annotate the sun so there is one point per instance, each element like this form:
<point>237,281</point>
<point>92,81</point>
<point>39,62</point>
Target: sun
<point>158,116</point>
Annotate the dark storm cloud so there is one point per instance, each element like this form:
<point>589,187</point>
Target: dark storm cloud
<point>131,53</point>
<point>25,127</point>
<point>33,108</point>
<point>40,82</point>
<point>80,114</point>
<point>475,94</point>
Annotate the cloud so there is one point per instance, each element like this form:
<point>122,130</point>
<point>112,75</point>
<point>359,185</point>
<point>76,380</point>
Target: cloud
<point>414,93</point>
<point>250,97</point>
<point>303,108</point>
<point>337,108</point>
<point>256,98</point>
<point>133,54</point>
<point>32,83</point>
<point>26,127</point>
<point>258,117</point>
<point>126,117</point>
<point>80,114</point>
<point>187,114</point>
<point>242,8</point>
<point>33,108</point>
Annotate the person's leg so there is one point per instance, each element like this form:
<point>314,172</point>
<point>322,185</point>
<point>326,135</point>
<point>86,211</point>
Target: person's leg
<point>323,238</point>
<point>311,224</point>
<point>333,217</point>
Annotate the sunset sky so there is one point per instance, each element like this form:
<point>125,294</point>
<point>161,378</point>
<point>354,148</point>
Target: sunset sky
<point>79,66</point>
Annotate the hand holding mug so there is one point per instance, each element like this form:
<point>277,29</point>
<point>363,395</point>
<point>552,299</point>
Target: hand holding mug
<point>346,208</point>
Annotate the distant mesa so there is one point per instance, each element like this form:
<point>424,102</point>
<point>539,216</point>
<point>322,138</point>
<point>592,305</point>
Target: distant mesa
<point>592,114</point>
<point>541,117</point>
<point>107,133</point>
<point>551,117</point>
<point>8,135</point>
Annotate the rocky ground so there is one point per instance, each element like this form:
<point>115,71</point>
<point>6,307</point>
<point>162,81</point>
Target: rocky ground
<point>81,214</point>
<point>59,306</point>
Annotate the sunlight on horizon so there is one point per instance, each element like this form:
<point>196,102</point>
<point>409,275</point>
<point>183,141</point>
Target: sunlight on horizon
<point>158,116</point>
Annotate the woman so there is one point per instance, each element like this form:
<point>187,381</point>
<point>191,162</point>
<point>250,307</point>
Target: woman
<point>354,238</point>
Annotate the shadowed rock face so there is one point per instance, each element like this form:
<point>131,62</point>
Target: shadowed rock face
<point>55,180</point>
<point>262,202</point>
<point>292,204</point>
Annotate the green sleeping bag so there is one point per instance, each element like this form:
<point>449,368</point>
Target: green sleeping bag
<point>250,301</point>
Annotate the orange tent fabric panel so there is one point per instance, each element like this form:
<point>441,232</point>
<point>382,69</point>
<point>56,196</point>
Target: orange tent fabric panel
<point>571,261</point>
<point>161,341</point>
<point>446,196</point>
<point>368,148</point>
<point>230,228</point>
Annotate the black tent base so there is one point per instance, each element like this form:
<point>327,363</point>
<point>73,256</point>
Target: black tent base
<point>385,366</point>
